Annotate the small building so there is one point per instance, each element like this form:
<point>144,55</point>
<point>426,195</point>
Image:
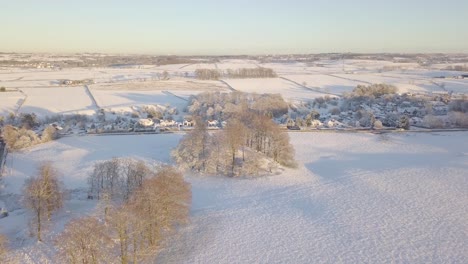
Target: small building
<point>213,123</point>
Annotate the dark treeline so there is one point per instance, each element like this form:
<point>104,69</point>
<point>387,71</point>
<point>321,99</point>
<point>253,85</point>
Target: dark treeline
<point>242,73</point>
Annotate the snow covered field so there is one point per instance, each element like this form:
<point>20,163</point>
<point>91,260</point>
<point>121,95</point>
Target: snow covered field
<point>355,198</point>
<point>289,90</point>
<point>58,100</point>
<point>9,102</point>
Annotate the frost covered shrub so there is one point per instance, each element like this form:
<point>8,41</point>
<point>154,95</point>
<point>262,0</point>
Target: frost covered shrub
<point>459,105</point>
<point>367,119</point>
<point>335,111</point>
<point>378,124</point>
<point>16,138</point>
<point>433,122</point>
<point>458,119</point>
<point>135,114</point>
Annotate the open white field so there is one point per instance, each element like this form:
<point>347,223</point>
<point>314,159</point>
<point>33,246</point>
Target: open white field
<point>327,83</point>
<point>57,100</point>
<point>9,102</point>
<point>289,90</point>
<point>355,198</point>
<point>174,93</point>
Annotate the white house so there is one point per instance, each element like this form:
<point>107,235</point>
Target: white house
<point>213,123</point>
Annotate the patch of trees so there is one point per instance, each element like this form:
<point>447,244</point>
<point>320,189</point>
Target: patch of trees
<point>259,72</point>
<point>246,146</point>
<point>457,68</point>
<point>373,91</point>
<point>242,73</point>
<point>222,106</point>
<point>131,231</point>
<point>117,178</point>
<point>459,105</point>
<point>207,74</point>
<point>19,138</point>
<point>397,121</point>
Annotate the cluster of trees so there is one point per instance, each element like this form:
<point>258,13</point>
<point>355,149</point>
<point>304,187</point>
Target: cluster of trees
<point>18,138</point>
<point>459,105</point>
<point>130,231</point>
<point>145,206</point>
<point>222,106</point>
<point>457,68</point>
<point>453,119</point>
<point>373,90</point>
<point>117,178</point>
<point>259,72</point>
<point>397,121</point>
<point>207,74</point>
<point>242,73</point>
<point>245,146</point>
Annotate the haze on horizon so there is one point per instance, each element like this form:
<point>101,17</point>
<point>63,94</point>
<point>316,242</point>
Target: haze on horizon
<point>213,27</point>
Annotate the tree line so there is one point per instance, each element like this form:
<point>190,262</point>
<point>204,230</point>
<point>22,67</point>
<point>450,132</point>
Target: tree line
<point>130,231</point>
<point>17,138</point>
<point>242,73</point>
<point>138,207</point>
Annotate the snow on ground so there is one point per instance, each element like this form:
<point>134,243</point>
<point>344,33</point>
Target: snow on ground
<point>61,100</point>
<point>74,156</point>
<point>9,102</point>
<point>355,198</point>
<point>404,83</point>
<point>327,83</point>
<point>175,93</point>
<point>288,89</point>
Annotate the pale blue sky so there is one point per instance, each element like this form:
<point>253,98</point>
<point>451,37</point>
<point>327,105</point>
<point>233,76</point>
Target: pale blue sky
<point>233,27</point>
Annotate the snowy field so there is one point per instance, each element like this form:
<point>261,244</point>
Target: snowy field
<point>62,100</point>
<point>289,90</point>
<point>9,102</point>
<point>124,96</point>
<point>355,198</point>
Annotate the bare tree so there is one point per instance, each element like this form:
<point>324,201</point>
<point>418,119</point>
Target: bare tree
<point>84,241</point>
<point>3,247</point>
<point>128,228</point>
<point>43,195</point>
<point>234,139</point>
<point>153,210</point>
<point>117,178</point>
<point>192,151</point>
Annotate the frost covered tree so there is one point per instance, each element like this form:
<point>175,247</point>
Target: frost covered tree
<point>3,247</point>
<point>18,138</point>
<point>235,138</point>
<point>43,195</point>
<point>235,149</point>
<point>154,210</point>
<point>192,151</point>
<point>117,178</point>
<point>84,241</point>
